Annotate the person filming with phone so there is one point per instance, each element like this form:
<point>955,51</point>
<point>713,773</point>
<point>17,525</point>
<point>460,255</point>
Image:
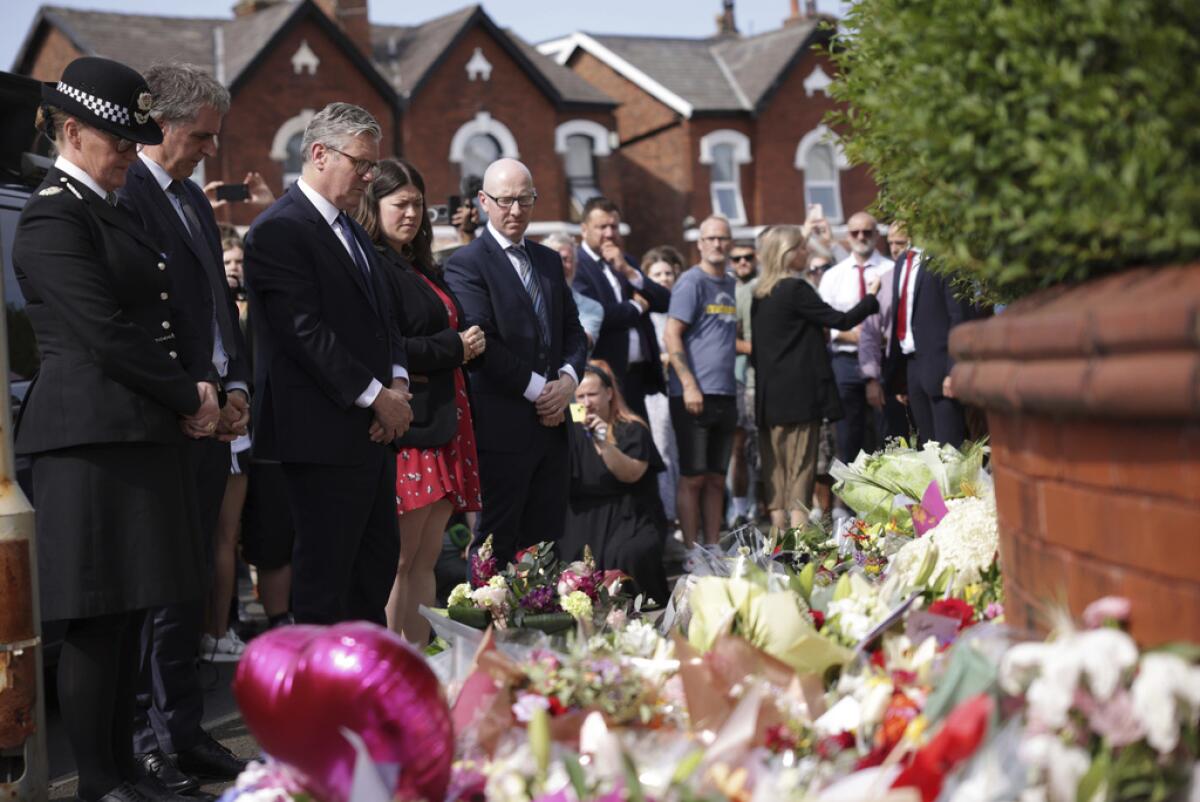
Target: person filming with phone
<point>614,505</point>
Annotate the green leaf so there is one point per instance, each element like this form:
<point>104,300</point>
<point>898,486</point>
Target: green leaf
<point>687,767</point>
<point>843,589</point>
<point>538,729</point>
<point>1094,779</point>
<point>575,774</point>
<point>803,582</point>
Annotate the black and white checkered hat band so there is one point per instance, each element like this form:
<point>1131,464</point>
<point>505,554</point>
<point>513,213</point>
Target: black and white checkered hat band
<point>102,108</point>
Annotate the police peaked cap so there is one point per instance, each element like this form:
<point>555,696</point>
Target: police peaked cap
<point>108,95</point>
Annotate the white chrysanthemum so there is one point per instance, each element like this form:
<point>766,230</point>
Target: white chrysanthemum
<point>460,596</point>
<point>856,615</point>
<point>966,541</point>
<point>498,582</point>
<point>638,639</point>
<point>1062,766</point>
<point>1166,691</point>
<point>907,562</point>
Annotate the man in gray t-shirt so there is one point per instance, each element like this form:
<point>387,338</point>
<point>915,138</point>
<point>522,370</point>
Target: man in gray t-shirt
<point>701,337</point>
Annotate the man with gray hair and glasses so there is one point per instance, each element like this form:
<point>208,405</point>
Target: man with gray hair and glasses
<point>189,105</point>
<point>331,388</point>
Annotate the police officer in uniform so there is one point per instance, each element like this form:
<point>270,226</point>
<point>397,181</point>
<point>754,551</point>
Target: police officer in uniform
<point>107,417</point>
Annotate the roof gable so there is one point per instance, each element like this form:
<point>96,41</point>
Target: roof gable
<point>696,76</point>
<point>408,55</point>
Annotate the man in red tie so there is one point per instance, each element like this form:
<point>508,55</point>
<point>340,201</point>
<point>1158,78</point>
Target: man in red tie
<point>918,362</point>
<point>891,416</point>
<point>842,287</point>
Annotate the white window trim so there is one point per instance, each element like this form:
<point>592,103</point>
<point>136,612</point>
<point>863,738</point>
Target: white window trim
<point>483,123</point>
<point>823,135</point>
<point>599,135</point>
<point>741,155</point>
<point>290,128</point>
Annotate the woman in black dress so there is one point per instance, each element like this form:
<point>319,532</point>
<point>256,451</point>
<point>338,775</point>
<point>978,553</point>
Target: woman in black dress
<point>614,505</point>
<point>105,419</point>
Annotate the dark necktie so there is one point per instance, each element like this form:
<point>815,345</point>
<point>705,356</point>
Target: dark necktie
<point>902,304</point>
<point>214,271</point>
<point>110,198</point>
<point>342,221</point>
<point>862,281</point>
<point>533,287</point>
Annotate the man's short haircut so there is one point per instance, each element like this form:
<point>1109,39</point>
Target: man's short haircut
<point>336,123</point>
<point>602,203</point>
<point>180,91</point>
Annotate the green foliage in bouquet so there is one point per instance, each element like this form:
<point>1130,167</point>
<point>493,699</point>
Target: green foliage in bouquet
<point>1029,143</point>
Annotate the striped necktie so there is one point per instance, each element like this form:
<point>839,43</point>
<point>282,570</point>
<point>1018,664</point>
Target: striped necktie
<point>534,288</point>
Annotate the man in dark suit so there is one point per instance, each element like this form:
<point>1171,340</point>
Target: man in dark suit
<point>515,291</point>
<point>604,273</point>
<point>330,379</point>
<point>918,362</point>
<point>189,105</point>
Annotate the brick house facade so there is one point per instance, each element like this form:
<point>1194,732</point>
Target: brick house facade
<point>670,128</point>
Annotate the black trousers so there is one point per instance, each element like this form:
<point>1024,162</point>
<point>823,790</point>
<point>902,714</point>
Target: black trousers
<point>170,698</point>
<point>851,430</point>
<point>524,493</point>
<point>633,388</point>
<point>938,418</point>
<point>347,539</point>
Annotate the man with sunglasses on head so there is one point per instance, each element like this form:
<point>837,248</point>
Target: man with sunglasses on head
<point>842,287</point>
<point>514,289</point>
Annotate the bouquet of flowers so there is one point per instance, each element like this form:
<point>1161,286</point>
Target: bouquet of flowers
<point>537,591</point>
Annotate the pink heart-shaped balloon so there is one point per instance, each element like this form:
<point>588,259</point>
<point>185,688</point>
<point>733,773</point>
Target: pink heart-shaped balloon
<point>299,686</point>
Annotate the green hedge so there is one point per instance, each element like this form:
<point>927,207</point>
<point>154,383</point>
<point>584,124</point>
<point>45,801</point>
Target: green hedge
<point>1029,142</point>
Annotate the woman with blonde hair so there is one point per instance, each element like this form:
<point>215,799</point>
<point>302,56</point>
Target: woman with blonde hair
<point>795,386</point>
<point>614,506</point>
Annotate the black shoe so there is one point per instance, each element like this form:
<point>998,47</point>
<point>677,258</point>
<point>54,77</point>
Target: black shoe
<point>210,760</point>
<point>157,765</point>
<point>153,790</point>
<point>125,792</point>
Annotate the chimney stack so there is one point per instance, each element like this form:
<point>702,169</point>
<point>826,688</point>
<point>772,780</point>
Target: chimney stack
<point>351,17</point>
<point>810,12</point>
<point>244,8</point>
<point>726,26</point>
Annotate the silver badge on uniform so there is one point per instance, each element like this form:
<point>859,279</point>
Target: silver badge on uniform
<point>48,191</point>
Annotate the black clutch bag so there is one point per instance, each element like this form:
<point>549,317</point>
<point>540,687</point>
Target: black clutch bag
<point>435,415</point>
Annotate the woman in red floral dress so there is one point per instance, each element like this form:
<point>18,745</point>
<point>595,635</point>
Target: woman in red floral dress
<point>437,470</point>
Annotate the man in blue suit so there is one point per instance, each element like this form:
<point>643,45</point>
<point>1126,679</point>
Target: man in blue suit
<point>331,385</point>
<point>189,105</point>
<point>604,273</point>
<point>918,363</point>
<point>515,291</point>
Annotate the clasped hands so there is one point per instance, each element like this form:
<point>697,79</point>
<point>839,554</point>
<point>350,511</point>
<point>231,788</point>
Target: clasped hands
<point>552,402</point>
<point>393,415</point>
<point>474,343</point>
<point>226,423</point>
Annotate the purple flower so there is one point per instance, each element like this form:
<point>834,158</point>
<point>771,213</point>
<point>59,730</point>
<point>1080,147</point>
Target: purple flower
<point>541,599</point>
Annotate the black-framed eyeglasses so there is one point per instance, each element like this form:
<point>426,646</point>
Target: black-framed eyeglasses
<point>361,166</point>
<point>862,232</point>
<point>506,201</point>
<point>121,144</point>
<point>742,257</point>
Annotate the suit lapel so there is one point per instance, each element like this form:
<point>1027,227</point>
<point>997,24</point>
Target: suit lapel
<point>331,243</point>
<point>163,206</point>
<point>508,274</point>
<point>118,218</point>
<point>599,277</point>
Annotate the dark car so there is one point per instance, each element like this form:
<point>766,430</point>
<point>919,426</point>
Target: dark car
<point>23,164</point>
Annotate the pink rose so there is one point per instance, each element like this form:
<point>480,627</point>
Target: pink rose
<point>1106,610</point>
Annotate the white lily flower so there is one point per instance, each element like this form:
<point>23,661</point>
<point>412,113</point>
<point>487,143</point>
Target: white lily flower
<point>1164,684</point>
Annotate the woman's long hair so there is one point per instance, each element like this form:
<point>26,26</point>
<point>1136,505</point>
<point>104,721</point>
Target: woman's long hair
<point>391,175</point>
<point>620,412</point>
<point>776,245</point>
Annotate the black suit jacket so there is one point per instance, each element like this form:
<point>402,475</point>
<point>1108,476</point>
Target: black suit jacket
<point>191,288</point>
<point>936,311</point>
<point>794,381</point>
<point>493,298</point>
<point>97,291</point>
<point>433,348</point>
<point>323,333</point>
<point>620,316</point>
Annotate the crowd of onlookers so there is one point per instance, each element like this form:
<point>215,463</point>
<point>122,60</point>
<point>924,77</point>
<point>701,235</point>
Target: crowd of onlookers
<point>341,399</point>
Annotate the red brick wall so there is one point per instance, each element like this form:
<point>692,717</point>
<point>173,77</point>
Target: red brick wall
<point>655,182</point>
<point>274,93</point>
<point>448,100</point>
<point>55,53</point>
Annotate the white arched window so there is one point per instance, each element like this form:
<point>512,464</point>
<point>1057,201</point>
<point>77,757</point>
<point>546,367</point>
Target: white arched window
<point>479,142</point>
<point>725,151</point>
<point>579,142</point>
<point>285,147</point>
<point>821,158</point>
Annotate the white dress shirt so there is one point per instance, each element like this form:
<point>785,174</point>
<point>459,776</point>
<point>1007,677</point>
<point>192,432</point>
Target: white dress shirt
<point>841,290</point>
<point>79,174</point>
<point>220,357</point>
<point>536,380</point>
<point>909,344</point>
<point>329,214</point>
<point>635,341</point>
